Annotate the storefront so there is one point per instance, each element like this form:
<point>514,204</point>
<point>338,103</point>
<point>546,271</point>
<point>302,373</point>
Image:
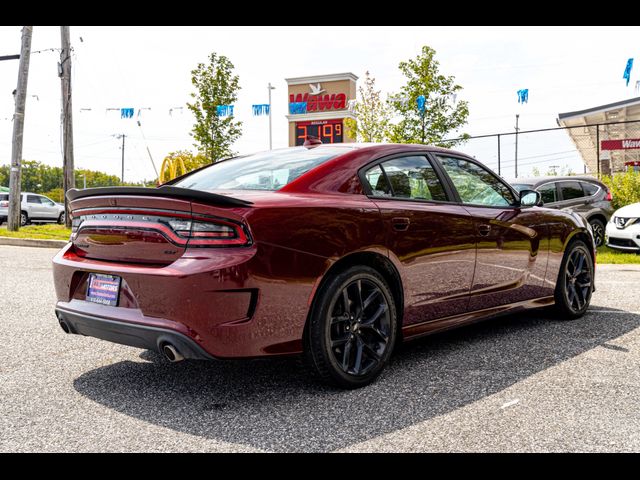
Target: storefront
<point>607,136</point>
<point>318,106</point>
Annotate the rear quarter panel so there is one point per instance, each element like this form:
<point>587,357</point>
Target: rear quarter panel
<point>296,239</point>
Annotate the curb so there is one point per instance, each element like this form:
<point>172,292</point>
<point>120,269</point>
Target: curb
<point>32,242</point>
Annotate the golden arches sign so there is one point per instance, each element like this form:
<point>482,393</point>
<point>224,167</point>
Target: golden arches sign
<point>171,168</point>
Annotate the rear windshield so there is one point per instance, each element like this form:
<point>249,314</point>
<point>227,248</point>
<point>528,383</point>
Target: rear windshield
<point>4,196</point>
<point>269,170</point>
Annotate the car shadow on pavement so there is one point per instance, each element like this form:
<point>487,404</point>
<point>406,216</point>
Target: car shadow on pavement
<point>272,404</point>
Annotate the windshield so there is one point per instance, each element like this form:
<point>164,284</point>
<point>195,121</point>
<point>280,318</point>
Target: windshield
<point>269,170</point>
<point>520,187</point>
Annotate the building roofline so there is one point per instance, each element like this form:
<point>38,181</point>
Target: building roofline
<point>332,77</point>
<point>602,108</point>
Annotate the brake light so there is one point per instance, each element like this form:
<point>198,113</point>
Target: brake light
<point>210,233</point>
<point>609,196</point>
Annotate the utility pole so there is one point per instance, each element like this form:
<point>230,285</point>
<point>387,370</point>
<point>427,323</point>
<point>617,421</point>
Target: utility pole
<point>122,176</point>
<point>517,129</point>
<point>13,222</point>
<point>270,138</point>
<point>64,71</point>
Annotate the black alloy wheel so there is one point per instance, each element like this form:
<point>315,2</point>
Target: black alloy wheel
<point>360,324</point>
<point>575,281</point>
<point>352,330</point>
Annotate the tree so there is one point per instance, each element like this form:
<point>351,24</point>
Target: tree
<point>373,115</point>
<point>215,85</point>
<point>440,117</point>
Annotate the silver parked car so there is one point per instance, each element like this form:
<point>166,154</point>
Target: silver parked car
<point>34,208</point>
<point>578,193</point>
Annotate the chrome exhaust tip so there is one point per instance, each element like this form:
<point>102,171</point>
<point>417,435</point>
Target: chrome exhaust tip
<point>171,353</point>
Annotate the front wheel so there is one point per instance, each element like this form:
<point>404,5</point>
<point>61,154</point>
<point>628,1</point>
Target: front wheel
<point>352,328</point>
<point>61,219</point>
<point>575,281</point>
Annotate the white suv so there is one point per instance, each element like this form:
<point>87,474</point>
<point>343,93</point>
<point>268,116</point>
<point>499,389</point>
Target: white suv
<point>623,230</point>
<point>34,208</point>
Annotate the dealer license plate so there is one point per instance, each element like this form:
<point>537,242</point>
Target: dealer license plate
<point>103,289</point>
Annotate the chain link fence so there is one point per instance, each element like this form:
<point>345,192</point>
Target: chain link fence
<point>561,150</point>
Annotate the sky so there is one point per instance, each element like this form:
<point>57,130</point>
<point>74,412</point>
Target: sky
<point>149,68</point>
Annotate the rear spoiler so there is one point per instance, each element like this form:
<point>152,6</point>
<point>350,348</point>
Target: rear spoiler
<point>162,191</point>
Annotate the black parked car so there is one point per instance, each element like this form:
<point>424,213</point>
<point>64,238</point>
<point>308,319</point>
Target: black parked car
<point>581,194</point>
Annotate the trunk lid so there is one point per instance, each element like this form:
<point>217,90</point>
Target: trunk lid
<point>142,225</point>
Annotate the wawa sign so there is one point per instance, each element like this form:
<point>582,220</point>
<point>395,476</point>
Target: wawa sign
<point>626,144</point>
<point>317,101</point>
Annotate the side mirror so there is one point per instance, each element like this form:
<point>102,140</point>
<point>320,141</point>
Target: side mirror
<point>530,198</point>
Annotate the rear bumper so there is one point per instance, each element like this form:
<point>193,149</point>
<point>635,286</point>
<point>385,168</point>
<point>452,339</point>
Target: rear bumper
<point>134,335</point>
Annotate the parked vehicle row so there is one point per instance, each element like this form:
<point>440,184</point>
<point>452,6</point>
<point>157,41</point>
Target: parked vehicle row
<point>34,208</point>
<point>581,194</point>
<point>623,231</point>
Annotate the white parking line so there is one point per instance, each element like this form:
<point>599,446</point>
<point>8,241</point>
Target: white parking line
<point>509,404</point>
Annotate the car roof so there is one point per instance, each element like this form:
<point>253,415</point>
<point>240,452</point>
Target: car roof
<point>551,178</point>
<point>374,145</point>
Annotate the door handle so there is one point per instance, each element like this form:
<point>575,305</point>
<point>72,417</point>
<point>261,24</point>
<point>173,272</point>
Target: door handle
<point>401,224</point>
<point>484,229</point>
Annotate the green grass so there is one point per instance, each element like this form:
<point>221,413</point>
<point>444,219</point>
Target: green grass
<point>608,255</point>
<point>49,231</point>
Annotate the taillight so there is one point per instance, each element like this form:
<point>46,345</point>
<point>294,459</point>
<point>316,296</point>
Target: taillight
<point>210,233</point>
<point>609,196</point>
<point>4,204</point>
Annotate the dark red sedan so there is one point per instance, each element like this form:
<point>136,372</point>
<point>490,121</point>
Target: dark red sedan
<point>333,251</point>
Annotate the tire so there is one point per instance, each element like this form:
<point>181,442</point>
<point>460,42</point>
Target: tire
<point>24,219</point>
<point>572,302</point>
<point>362,343</point>
<point>61,219</point>
<point>598,231</point>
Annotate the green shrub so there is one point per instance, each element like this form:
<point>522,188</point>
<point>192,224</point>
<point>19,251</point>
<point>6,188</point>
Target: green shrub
<point>624,186</point>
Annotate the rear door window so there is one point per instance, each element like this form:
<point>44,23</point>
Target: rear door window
<point>548,193</point>
<point>589,188</point>
<point>571,190</point>
<point>33,199</point>
<point>378,182</point>
<point>410,177</point>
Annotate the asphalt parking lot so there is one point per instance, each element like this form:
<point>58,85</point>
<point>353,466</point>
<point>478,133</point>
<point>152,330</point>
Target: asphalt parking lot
<point>520,383</point>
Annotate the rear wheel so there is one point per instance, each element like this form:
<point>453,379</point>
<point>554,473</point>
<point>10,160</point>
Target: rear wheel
<point>598,231</point>
<point>575,281</point>
<point>352,328</point>
<point>24,218</point>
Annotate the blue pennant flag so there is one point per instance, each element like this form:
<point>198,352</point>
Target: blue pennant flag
<point>523,95</point>
<point>421,101</point>
<point>297,108</point>
<point>627,71</point>
<point>126,113</point>
<point>260,109</point>
<point>224,110</point>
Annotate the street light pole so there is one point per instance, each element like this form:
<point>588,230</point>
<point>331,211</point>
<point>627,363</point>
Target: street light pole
<point>270,135</point>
